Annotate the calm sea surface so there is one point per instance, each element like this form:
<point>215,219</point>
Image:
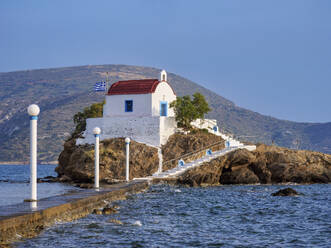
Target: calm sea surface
<point>167,216</point>
<point>14,183</point>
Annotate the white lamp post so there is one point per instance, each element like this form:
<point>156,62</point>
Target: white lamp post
<point>96,132</point>
<point>33,111</point>
<point>127,145</point>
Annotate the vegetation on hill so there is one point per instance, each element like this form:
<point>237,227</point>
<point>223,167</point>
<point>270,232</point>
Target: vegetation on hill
<point>62,92</point>
<point>188,110</point>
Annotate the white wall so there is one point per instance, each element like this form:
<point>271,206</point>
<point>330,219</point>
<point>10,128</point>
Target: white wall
<point>204,123</point>
<point>153,131</point>
<point>115,105</point>
<point>165,93</point>
<point>167,128</point>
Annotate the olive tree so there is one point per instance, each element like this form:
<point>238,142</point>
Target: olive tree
<point>188,110</point>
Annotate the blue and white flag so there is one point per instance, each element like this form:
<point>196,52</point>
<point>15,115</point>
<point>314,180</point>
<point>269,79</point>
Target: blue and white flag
<point>100,86</point>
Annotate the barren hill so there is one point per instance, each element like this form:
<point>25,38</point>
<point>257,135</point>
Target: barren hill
<point>61,92</point>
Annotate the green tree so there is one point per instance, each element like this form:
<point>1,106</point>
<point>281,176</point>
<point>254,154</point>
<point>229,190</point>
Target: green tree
<point>188,110</point>
<point>93,111</point>
<point>201,105</point>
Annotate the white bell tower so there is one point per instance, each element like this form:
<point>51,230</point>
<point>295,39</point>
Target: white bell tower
<point>163,76</point>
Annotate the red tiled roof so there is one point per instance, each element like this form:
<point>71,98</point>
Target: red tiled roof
<point>144,86</point>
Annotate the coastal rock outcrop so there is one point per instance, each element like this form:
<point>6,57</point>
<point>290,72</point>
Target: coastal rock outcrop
<point>267,164</point>
<point>76,162</point>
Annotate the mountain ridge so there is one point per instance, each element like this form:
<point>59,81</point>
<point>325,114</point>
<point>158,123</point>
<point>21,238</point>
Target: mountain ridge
<point>61,92</point>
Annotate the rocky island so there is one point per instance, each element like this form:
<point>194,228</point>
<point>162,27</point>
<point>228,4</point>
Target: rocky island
<point>76,162</point>
<point>265,165</point>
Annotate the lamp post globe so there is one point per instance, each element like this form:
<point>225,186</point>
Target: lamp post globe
<point>33,110</point>
<point>96,130</point>
<point>127,140</point>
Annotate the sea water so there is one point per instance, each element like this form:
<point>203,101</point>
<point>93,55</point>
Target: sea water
<point>15,187</point>
<point>223,216</point>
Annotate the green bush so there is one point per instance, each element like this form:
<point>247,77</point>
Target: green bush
<point>93,111</point>
<point>188,110</point>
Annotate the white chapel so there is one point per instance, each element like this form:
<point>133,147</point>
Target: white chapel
<point>138,109</point>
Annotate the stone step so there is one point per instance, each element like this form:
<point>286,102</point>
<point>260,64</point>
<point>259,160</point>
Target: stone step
<point>179,170</point>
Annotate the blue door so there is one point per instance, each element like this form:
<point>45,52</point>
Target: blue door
<point>164,109</point>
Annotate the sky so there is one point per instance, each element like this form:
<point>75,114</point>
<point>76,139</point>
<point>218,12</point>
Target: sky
<point>269,56</point>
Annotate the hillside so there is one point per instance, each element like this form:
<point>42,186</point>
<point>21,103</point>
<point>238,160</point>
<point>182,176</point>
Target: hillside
<point>61,92</point>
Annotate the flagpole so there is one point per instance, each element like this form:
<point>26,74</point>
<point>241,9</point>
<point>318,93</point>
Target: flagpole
<point>107,83</point>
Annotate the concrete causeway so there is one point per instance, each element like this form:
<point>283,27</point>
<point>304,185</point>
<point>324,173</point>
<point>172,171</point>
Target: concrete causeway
<point>23,220</point>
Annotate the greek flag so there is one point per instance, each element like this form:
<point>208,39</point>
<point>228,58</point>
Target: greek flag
<point>100,86</point>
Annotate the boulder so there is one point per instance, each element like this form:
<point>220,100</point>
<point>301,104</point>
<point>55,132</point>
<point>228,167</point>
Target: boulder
<point>206,174</point>
<point>286,192</point>
<point>118,222</point>
<point>239,175</point>
<point>97,211</point>
<point>109,210</point>
<point>76,163</point>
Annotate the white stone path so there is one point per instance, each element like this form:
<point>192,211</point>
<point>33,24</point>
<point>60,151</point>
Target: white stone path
<point>177,171</point>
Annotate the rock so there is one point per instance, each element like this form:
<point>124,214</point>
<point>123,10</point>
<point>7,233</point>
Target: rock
<point>118,222</point>
<point>286,192</point>
<point>48,179</point>
<point>76,163</point>
<point>85,185</point>
<point>179,144</point>
<point>109,210</point>
<point>97,211</point>
<point>65,179</point>
<point>207,174</point>
<point>265,165</point>
<point>239,175</point>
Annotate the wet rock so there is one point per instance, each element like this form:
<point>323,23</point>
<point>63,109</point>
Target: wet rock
<point>65,179</point>
<point>97,211</point>
<point>118,222</point>
<point>286,192</point>
<point>85,185</point>
<point>48,179</point>
<point>109,210</point>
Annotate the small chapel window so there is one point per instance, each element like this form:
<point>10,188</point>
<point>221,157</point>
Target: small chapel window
<point>128,106</point>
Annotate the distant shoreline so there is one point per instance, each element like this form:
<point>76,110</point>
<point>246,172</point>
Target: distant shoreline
<point>27,163</point>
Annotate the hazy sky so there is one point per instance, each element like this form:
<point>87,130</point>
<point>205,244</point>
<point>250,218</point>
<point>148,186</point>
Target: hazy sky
<point>270,56</point>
